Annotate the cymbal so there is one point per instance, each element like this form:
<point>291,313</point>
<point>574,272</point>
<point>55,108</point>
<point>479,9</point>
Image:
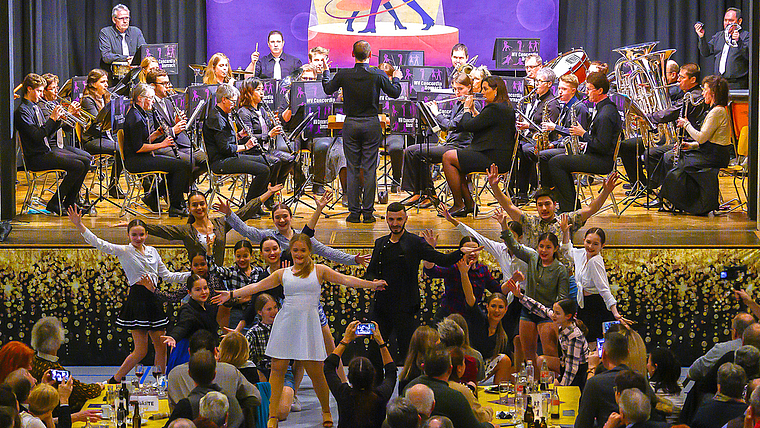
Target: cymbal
<point>242,72</point>
<point>197,67</point>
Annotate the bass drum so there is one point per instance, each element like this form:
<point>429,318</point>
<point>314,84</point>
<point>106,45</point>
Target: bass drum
<point>576,62</point>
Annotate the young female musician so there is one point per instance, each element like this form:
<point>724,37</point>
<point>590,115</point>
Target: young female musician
<point>218,70</point>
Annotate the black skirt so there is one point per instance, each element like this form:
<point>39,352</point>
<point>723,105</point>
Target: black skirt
<point>142,311</point>
<point>473,161</point>
<point>593,314</point>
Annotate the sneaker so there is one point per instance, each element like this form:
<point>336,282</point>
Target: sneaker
<point>296,405</point>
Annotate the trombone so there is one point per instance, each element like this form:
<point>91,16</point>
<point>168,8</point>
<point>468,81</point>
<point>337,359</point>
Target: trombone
<point>466,67</point>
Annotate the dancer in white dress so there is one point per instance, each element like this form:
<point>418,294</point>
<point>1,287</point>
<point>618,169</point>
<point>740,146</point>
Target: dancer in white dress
<point>296,333</point>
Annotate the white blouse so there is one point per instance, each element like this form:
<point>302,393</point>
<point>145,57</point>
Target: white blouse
<point>590,275</point>
<point>135,264</point>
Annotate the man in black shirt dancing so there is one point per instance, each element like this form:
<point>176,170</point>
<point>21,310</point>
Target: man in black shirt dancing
<point>362,133</point>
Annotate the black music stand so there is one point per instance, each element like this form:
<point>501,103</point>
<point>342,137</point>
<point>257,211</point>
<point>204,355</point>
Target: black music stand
<point>104,123</point>
<point>299,193</point>
<point>425,120</point>
<point>632,107</point>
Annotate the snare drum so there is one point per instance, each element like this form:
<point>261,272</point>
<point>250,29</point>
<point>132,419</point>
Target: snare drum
<point>120,69</point>
<point>574,62</point>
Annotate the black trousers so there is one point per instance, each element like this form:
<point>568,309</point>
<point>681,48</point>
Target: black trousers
<point>74,161</point>
<point>199,159</point>
<point>178,172</point>
<point>319,149</point>
<point>544,156</point>
<point>394,146</point>
<point>627,152</point>
<point>563,166</point>
<point>362,137</point>
<point>402,323</point>
<point>246,164</point>
<point>416,172</point>
<point>527,174</point>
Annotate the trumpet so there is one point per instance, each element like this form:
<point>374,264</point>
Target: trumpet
<point>68,118</point>
<point>477,96</point>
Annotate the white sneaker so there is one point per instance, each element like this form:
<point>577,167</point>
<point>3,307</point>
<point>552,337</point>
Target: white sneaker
<point>296,405</point>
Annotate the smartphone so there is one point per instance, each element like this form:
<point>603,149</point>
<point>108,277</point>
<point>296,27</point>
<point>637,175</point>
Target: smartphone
<point>60,375</point>
<point>365,329</point>
<point>599,346</point>
<point>607,324</point>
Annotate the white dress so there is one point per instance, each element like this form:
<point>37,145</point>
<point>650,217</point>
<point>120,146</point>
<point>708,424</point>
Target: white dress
<point>296,332</point>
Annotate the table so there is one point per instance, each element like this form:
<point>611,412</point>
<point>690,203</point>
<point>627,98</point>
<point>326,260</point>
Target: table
<point>97,403</point>
<point>569,397</point>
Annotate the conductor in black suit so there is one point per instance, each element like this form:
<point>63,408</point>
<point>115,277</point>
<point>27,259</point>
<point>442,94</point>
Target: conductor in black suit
<point>731,62</point>
<point>362,133</point>
<point>276,64</point>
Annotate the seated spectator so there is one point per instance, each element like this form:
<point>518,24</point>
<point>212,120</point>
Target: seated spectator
<point>43,398</point>
<point>213,411</point>
<point>181,423</point>
<point>467,346</point>
<point>422,340</point>
<point>727,404</point>
<point>229,378</point>
<point>452,335</point>
<point>738,422</point>
<point>9,417</point>
<point>635,408</point>
<point>202,370</point>
<point>438,422</point>
<point>598,397</point>
<point>47,338</point>
<point>468,389</point>
<point>21,383</point>
<point>748,357</point>
<point>234,350</point>
<point>400,413</point>
<point>664,372</point>
<point>360,403</point>
<point>702,365</point>
<point>637,350</point>
<point>422,399</point>
<point>14,355</point>
<point>448,402</point>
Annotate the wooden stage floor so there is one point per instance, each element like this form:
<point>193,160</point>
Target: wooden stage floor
<point>636,228</point>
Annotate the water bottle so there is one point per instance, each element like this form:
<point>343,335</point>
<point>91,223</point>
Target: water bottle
<point>530,374</point>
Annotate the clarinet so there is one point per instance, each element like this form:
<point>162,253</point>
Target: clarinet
<point>677,149</point>
<point>236,117</point>
<point>168,133</point>
<point>276,121</point>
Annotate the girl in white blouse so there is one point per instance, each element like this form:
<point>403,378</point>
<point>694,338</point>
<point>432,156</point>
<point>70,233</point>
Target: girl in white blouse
<point>142,313</point>
<point>596,304</point>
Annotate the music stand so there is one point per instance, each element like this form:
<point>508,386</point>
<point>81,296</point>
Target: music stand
<point>295,199</point>
<point>103,121</point>
<point>632,106</point>
<point>426,119</point>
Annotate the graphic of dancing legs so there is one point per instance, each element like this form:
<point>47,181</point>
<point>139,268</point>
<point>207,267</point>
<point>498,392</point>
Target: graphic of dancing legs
<point>427,21</point>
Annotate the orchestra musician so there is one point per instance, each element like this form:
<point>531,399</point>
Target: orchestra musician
<point>119,42</point>
<point>218,70</point>
<point>64,134</point>
<point>125,86</point>
<point>265,132</point>
<point>601,139</point>
<point>493,139</point>
<point>394,144</point>
<point>542,102</point>
<point>595,67</point>
<point>533,63</point>
<point>459,57</point>
<point>222,148</point>
<point>417,178</point>
<point>731,62</point>
<point>142,140</point>
<point>362,133</point>
<point>568,99</point>
<point>164,111</point>
<point>97,142</point>
<point>692,185</point>
<point>671,75</point>
<point>276,64</point>
<point>39,149</point>
<point>477,75</point>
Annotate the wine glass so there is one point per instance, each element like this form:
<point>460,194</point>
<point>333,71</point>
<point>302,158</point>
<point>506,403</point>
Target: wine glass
<point>156,374</point>
<point>139,372</point>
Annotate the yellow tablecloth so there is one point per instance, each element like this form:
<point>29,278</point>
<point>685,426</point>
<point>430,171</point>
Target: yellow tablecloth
<point>97,403</point>
<point>569,397</point>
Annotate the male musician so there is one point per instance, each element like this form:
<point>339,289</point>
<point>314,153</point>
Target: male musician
<point>730,62</point>
<point>140,136</point>
<point>543,102</point>
<point>276,64</point>
<point>396,259</point>
<point>39,149</point>
<point>64,134</point>
<point>601,139</point>
<point>120,41</point>
<point>595,67</point>
<point>459,57</point>
<point>163,112</point>
<point>671,75</point>
<point>533,63</point>
<point>362,133</point>
<point>567,89</point>
<point>222,146</point>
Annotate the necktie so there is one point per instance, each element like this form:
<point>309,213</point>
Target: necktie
<point>724,58</point>
<point>277,73</point>
<point>40,122</point>
<point>124,45</point>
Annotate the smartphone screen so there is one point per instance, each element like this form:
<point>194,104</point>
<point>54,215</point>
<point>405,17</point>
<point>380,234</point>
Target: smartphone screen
<point>59,375</point>
<point>599,346</point>
<point>365,329</point>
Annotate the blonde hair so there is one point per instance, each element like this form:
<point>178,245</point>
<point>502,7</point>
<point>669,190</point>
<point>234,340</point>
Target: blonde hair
<point>318,50</point>
<point>144,64</point>
<point>309,266</point>
<point>42,399</point>
<point>637,352</point>
<point>209,77</point>
<point>234,349</point>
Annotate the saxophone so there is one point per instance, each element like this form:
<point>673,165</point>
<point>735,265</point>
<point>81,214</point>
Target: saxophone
<point>571,147</point>
<point>542,137</point>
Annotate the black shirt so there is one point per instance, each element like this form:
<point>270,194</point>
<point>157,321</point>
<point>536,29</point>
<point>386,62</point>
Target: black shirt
<point>605,129</point>
<point>193,317</point>
<point>138,125</point>
<point>31,134</point>
<point>449,123</point>
<point>219,136</point>
<point>477,323</point>
<point>361,89</point>
<point>695,114</point>
<point>492,129</point>
<point>163,111</point>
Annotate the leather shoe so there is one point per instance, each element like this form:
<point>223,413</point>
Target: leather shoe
<point>84,208</point>
<point>151,202</point>
<point>412,200</point>
<point>369,218</point>
<point>54,208</point>
<point>318,190</point>
<point>654,203</point>
<point>353,218</point>
<point>461,212</point>
<point>178,212</point>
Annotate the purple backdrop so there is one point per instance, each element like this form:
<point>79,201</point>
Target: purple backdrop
<point>235,26</point>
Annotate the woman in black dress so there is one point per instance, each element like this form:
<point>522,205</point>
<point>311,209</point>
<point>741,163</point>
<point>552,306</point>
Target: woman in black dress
<point>493,139</point>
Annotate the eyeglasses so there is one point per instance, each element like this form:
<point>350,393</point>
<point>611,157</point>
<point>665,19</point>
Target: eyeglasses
<point>123,18</point>
<point>544,81</point>
<point>532,66</point>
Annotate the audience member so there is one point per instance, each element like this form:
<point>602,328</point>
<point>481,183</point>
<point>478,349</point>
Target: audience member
<point>202,370</point>
<point>452,335</point>
<point>438,422</point>
<point>214,407</point>
<point>467,346</point>
<point>702,365</point>
<point>422,340</point>
<point>752,415</point>
<point>664,372</point>
<point>727,404</point>
<point>42,400</point>
<point>14,355</point>
<point>448,402</point>
<point>467,389</point>
<point>47,337</point>
<point>598,398</point>
<point>20,383</point>
<point>635,408</point>
<point>423,399</point>
<point>234,350</point>
<point>181,423</point>
<point>9,417</point>
<point>748,357</point>
<point>401,414</point>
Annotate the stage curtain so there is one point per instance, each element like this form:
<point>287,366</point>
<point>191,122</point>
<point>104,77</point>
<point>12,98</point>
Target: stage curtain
<point>61,36</point>
<point>599,26</point>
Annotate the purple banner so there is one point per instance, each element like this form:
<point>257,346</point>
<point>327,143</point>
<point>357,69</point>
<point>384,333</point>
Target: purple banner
<point>236,26</point>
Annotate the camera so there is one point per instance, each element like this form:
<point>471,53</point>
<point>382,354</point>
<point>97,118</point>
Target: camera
<point>365,329</point>
<point>731,273</point>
